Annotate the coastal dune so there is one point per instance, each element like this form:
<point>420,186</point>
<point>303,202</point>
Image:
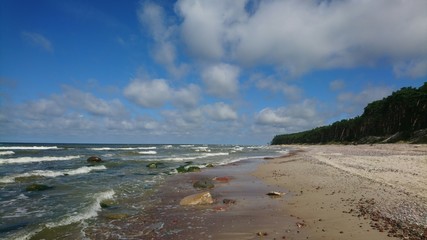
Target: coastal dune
<point>354,192</point>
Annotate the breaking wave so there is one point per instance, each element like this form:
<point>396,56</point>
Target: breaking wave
<point>36,159</point>
<point>52,174</point>
<point>28,147</point>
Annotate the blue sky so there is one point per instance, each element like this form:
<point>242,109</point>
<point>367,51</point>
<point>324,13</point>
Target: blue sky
<point>193,71</point>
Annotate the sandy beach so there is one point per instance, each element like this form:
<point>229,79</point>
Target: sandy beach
<point>330,192</point>
<point>354,192</point>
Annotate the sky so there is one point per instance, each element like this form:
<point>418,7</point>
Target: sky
<point>194,71</point>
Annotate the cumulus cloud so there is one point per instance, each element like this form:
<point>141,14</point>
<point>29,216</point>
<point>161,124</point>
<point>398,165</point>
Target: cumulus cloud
<point>291,92</point>
<point>220,111</point>
<point>187,97</point>
<point>296,117</point>
<point>205,25</point>
<point>150,94</point>
<point>88,102</point>
<point>38,40</point>
<point>221,80</point>
<point>156,93</point>
<point>152,17</point>
<point>301,36</point>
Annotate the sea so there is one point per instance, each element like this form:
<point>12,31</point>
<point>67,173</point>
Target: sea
<point>74,190</point>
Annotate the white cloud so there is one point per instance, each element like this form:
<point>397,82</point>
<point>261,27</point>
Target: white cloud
<point>354,103</point>
<point>150,94</point>
<point>156,93</point>
<point>291,92</point>
<point>301,36</point>
<point>39,40</point>
<point>220,111</point>
<point>412,68</point>
<point>152,17</point>
<point>187,97</point>
<point>296,117</point>
<point>205,25</point>
<point>221,80</point>
<point>87,101</point>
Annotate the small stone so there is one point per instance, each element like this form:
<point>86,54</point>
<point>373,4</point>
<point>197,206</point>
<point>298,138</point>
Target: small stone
<point>275,194</point>
<point>222,179</point>
<point>229,201</point>
<point>262,234</point>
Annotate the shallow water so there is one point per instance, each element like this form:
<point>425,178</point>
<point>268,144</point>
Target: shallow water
<point>76,189</point>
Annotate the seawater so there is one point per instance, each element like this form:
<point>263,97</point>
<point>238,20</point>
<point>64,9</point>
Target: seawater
<point>72,203</point>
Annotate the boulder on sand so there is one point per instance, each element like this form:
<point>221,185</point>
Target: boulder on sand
<point>197,199</point>
<point>94,159</point>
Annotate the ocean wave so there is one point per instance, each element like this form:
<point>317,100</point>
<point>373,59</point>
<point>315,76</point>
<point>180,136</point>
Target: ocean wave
<point>148,152</point>
<point>122,149</point>
<point>28,147</point>
<point>3,153</point>
<point>89,212</point>
<point>188,158</point>
<point>186,145</point>
<point>36,159</point>
<point>201,149</point>
<point>52,174</point>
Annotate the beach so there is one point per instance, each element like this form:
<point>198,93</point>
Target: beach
<point>326,192</point>
<point>355,192</point>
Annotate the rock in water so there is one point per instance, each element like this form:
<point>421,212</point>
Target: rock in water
<point>94,159</point>
<point>204,183</point>
<point>197,199</point>
<point>37,187</point>
<point>154,165</point>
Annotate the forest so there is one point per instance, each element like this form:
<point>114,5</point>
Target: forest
<point>402,116</point>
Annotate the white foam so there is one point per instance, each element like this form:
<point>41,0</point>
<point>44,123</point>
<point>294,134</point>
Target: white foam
<point>148,152</point>
<point>28,147</point>
<point>36,159</point>
<point>204,155</point>
<point>201,149</point>
<point>167,146</point>
<point>52,174</point>
<point>122,149</point>
<point>89,212</point>
<point>3,153</point>
<point>186,146</point>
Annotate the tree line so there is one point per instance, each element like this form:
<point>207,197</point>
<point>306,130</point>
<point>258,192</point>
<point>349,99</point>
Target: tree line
<point>402,116</point>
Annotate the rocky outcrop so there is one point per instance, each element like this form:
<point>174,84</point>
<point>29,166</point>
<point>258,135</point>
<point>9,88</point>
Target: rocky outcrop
<point>197,199</point>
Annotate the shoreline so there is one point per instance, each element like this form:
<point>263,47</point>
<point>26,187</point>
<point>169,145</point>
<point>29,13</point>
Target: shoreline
<point>251,214</point>
<point>332,192</point>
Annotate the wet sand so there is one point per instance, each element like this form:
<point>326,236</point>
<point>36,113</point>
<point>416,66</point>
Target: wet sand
<point>355,192</point>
